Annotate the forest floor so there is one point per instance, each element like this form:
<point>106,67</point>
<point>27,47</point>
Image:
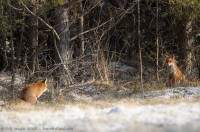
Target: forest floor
<point>87,108</point>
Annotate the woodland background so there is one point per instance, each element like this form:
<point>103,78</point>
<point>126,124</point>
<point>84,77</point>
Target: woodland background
<point>75,41</point>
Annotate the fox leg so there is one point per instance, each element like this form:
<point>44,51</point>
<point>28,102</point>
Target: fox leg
<point>178,82</point>
<point>173,82</point>
<point>170,80</point>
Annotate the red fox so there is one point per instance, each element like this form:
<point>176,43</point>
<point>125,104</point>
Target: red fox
<point>175,75</point>
<point>31,92</point>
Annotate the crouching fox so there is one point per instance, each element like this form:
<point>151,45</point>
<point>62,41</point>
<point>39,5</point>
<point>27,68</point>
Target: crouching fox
<point>31,92</point>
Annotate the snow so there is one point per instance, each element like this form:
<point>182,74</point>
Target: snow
<point>183,116</point>
<point>185,92</point>
<point>120,66</point>
<point>157,117</point>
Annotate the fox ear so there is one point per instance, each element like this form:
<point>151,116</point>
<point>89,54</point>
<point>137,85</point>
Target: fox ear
<point>45,81</point>
<point>167,55</point>
<point>173,56</point>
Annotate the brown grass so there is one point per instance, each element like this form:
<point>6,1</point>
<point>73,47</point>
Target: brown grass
<point>98,104</point>
<point>154,85</point>
<point>136,86</point>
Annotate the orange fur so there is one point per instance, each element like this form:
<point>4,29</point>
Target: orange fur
<point>31,92</point>
<point>175,74</point>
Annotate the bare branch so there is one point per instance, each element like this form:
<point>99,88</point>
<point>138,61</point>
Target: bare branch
<point>49,26</point>
<point>73,38</point>
<point>15,8</point>
<point>122,15</point>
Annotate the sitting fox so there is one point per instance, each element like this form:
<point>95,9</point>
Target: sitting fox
<point>31,92</point>
<point>175,75</point>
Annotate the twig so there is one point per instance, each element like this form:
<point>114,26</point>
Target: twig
<point>73,38</point>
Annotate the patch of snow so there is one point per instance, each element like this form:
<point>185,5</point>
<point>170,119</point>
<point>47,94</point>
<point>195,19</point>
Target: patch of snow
<point>2,102</point>
<point>186,92</point>
<point>1,88</point>
<point>114,110</point>
<point>5,78</point>
<point>118,65</point>
<point>175,117</point>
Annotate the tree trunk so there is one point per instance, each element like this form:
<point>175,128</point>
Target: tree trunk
<point>79,46</point>
<point>81,23</point>
<point>12,54</point>
<point>3,50</point>
<point>62,47</point>
<point>140,49</point>
<point>185,45</point>
<point>157,41</point>
<point>20,47</point>
<point>32,40</point>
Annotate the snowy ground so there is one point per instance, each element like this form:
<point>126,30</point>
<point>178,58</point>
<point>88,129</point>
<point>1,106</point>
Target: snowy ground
<point>123,115</point>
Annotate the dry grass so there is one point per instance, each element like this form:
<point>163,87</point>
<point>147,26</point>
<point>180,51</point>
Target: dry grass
<point>193,83</point>
<point>26,107</point>
<point>97,104</point>
<point>105,84</point>
<point>136,86</point>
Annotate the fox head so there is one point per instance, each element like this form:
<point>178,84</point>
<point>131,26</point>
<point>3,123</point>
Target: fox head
<point>170,60</point>
<point>43,84</point>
